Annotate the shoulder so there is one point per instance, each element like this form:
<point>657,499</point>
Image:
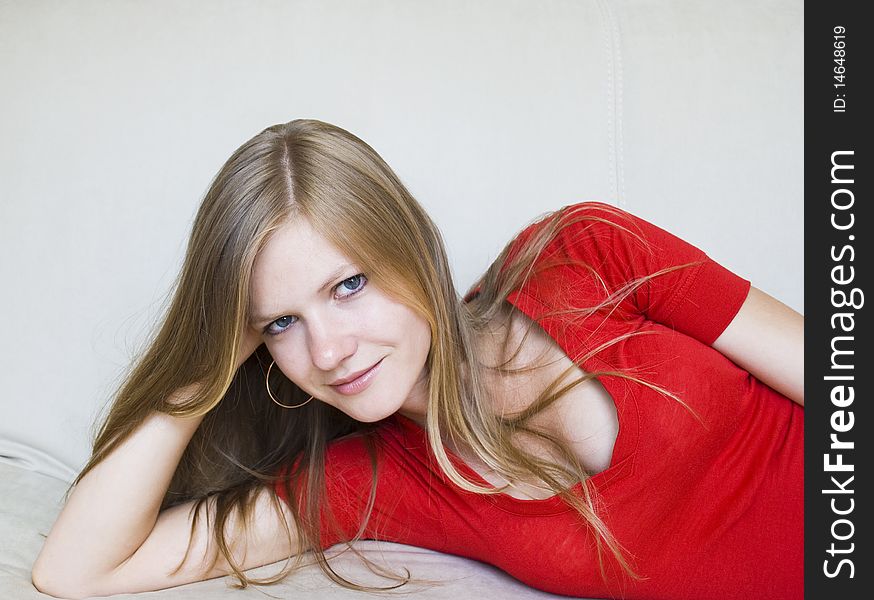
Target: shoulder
<point>392,441</point>
<point>606,242</point>
<point>588,233</point>
<point>590,244</point>
<point>590,215</point>
<point>592,221</point>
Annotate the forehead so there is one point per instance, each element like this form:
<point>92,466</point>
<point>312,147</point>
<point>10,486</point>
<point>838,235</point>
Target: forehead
<point>292,265</point>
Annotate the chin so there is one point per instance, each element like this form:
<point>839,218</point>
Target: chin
<point>370,414</point>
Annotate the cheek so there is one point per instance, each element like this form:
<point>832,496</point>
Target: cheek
<point>288,358</point>
<point>417,330</point>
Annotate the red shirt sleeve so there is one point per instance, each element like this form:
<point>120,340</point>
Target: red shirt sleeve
<point>403,510</point>
<point>607,248</point>
<point>347,487</point>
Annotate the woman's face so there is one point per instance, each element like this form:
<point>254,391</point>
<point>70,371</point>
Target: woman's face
<point>325,323</point>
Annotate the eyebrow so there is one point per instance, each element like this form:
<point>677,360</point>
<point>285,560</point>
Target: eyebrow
<point>262,319</point>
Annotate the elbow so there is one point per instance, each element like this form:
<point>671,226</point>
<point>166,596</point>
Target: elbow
<point>45,585</point>
<point>53,582</point>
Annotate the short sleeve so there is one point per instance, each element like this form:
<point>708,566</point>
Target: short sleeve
<point>602,250</point>
<point>398,513</point>
<point>346,470</point>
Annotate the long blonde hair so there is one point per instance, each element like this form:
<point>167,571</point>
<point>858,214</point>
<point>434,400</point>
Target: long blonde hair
<point>354,200</point>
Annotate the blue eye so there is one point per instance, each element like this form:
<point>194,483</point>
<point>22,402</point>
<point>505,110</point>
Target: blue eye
<point>352,285</point>
<point>279,325</point>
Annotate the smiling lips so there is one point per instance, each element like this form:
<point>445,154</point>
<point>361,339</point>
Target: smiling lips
<point>358,382</point>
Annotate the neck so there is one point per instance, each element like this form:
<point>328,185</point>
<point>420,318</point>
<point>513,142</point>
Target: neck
<point>486,348</point>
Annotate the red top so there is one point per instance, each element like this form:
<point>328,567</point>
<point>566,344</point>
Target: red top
<point>704,509</point>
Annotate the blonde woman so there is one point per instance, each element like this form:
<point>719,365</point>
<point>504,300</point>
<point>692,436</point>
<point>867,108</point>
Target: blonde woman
<point>608,412</point>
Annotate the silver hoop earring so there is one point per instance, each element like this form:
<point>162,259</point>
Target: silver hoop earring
<point>267,384</point>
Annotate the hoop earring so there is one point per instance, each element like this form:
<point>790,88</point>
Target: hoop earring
<point>267,384</point>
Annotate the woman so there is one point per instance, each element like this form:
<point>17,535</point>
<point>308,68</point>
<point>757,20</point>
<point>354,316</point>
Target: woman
<point>607,413</point>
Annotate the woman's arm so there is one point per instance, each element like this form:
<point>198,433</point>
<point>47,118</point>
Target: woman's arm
<point>111,538</point>
<point>766,338</point>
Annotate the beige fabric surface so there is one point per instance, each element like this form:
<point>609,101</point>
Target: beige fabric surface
<point>29,502</point>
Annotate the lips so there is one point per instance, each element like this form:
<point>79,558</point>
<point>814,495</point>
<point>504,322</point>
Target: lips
<point>353,376</point>
<point>356,382</point>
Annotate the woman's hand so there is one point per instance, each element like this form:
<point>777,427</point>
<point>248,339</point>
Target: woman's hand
<point>111,536</point>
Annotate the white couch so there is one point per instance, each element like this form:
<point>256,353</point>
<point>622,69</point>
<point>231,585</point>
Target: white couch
<point>116,115</point>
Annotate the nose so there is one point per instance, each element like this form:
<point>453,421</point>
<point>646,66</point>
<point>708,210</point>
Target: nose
<point>330,343</point>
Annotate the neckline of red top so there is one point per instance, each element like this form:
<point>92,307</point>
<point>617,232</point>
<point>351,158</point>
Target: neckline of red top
<point>621,463</point>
